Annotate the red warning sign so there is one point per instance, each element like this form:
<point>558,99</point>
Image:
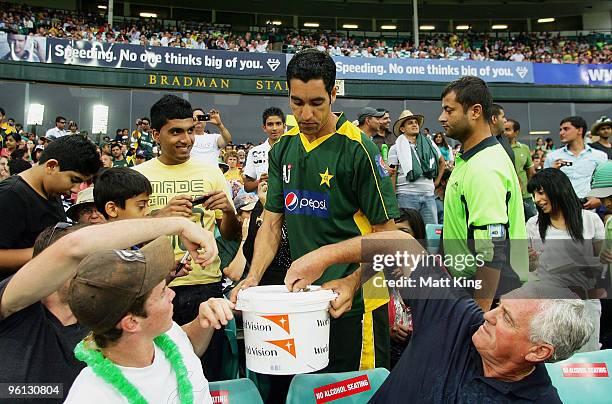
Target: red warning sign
<point>585,370</point>
<point>286,344</point>
<point>220,396</point>
<point>345,388</point>
<point>281,320</point>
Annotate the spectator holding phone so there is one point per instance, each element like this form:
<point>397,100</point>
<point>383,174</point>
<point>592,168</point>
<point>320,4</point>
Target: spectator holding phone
<point>576,159</point>
<point>207,145</point>
<point>177,179</point>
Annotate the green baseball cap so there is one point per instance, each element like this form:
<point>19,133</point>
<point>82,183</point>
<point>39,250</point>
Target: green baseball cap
<point>601,183</point>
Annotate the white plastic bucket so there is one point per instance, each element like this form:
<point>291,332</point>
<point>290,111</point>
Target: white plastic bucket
<point>285,333</point>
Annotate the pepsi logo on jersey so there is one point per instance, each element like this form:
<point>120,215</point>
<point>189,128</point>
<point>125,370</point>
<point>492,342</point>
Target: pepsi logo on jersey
<point>299,202</point>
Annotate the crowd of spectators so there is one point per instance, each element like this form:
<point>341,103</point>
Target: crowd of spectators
<point>92,26</point>
<point>533,47</point>
<point>573,181</point>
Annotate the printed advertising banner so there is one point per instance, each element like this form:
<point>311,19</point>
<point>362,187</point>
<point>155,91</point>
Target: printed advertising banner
<point>84,53</point>
<point>156,58</point>
<point>431,70</point>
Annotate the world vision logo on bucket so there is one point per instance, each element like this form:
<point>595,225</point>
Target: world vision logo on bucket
<point>281,320</point>
<point>286,345</point>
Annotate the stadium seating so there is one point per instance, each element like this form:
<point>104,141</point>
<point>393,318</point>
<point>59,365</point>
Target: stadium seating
<point>341,388</point>
<point>585,377</point>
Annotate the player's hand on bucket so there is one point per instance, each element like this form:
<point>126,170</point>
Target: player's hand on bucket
<point>345,288</point>
<point>305,271</point>
<point>243,284</point>
<point>215,312</point>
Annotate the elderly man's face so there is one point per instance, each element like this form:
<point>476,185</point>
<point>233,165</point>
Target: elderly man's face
<point>504,336</point>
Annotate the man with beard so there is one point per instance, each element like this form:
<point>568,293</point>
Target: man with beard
<point>483,205</point>
<point>256,169</point>
<point>603,129</point>
<point>384,135</point>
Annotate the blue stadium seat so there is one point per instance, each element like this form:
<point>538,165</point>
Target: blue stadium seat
<point>341,388</point>
<point>583,378</point>
<point>433,232</point>
<point>238,391</point>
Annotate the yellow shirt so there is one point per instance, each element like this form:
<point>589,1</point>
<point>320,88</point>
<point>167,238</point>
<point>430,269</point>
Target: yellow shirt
<point>193,178</point>
<point>7,128</point>
<point>233,174</point>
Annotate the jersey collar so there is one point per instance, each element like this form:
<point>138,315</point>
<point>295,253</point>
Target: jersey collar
<point>487,142</point>
<point>309,146</point>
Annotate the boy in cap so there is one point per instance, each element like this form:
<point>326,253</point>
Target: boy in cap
<point>140,157</point>
<point>38,330</point>
<point>135,352</point>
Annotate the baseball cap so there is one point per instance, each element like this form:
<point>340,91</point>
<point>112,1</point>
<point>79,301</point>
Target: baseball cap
<point>245,202</point>
<point>369,111</point>
<point>601,183</point>
<point>108,282</point>
<point>141,154</point>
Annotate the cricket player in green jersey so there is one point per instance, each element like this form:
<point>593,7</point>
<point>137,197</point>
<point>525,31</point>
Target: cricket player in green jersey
<point>484,233</point>
<point>327,180</point>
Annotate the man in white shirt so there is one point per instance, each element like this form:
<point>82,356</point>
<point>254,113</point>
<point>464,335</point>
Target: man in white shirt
<point>416,166</point>
<point>207,145</point>
<point>135,351</point>
<point>59,129</point>
<point>256,168</point>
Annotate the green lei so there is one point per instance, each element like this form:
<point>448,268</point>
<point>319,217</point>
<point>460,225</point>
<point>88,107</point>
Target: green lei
<point>111,374</point>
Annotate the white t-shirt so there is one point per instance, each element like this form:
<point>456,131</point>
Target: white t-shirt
<point>421,186</point>
<point>206,147</point>
<point>257,161</point>
<point>55,133</point>
<point>560,256</point>
<point>157,382</point>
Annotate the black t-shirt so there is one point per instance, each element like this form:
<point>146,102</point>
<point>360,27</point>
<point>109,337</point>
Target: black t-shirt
<point>276,271</point>
<point>36,348</point>
<point>25,214</point>
<point>441,364</point>
<point>605,149</point>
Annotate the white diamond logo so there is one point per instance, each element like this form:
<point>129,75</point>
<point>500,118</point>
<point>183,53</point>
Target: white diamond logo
<point>522,71</point>
<point>273,64</point>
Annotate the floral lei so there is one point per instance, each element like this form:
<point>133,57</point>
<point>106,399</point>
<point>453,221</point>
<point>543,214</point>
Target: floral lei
<point>111,374</point>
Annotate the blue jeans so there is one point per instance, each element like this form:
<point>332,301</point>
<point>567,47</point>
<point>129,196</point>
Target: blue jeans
<point>424,204</point>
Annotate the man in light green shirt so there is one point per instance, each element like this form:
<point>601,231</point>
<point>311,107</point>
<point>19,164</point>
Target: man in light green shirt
<point>484,225</point>
<point>525,169</point>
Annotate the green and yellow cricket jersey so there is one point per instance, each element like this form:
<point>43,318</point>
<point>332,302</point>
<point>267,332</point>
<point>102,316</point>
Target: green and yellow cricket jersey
<point>483,204</point>
<point>330,190</point>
